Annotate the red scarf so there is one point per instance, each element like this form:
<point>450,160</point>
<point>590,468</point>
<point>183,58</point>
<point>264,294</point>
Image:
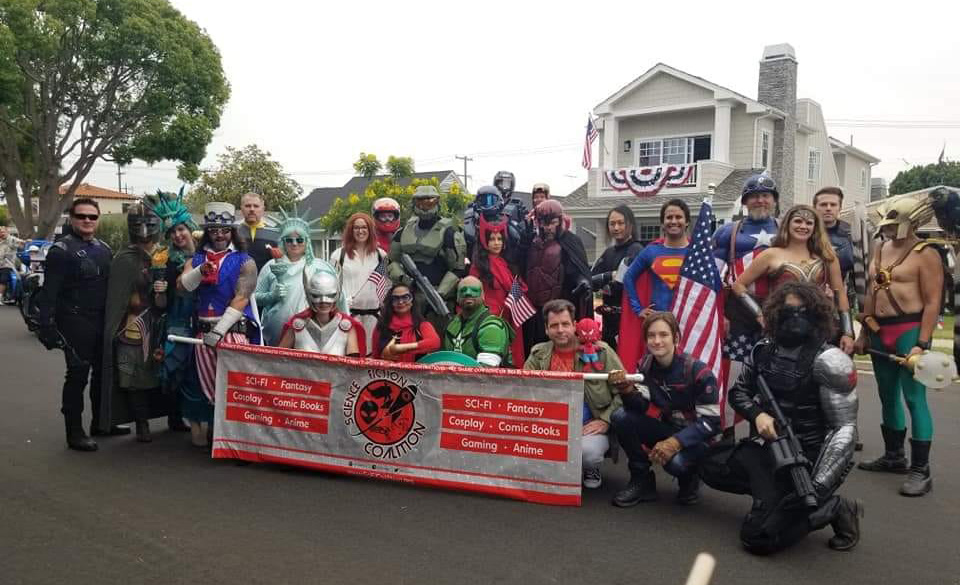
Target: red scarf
<point>216,258</point>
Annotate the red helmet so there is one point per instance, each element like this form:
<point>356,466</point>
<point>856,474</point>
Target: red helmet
<point>386,214</point>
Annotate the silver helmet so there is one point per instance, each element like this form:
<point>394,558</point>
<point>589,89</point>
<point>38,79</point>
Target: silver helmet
<point>321,287</point>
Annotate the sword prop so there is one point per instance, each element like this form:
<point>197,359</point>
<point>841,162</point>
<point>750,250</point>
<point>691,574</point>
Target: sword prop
<point>931,368</point>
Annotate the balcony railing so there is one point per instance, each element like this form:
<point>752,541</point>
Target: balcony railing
<point>651,181</point>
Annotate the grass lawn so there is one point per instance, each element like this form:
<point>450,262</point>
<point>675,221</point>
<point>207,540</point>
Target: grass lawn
<point>947,331</point>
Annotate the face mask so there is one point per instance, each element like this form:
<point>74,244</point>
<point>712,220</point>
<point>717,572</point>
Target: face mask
<point>469,292</point>
<point>795,327</point>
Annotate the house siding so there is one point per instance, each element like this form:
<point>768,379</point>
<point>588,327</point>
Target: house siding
<point>663,125</point>
<point>741,138</point>
<point>663,90</point>
<point>809,113</point>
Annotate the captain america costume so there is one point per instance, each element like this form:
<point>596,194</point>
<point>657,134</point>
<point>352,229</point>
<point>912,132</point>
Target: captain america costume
<point>651,282</point>
<point>753,236</point>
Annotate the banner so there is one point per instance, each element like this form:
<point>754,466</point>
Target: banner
<point>510,433</point>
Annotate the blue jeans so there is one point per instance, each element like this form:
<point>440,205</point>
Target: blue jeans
<point>635,430</point>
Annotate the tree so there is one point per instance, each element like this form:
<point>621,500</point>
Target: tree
<point>89,80</point>
<point>367,165</point>
<point>400,167</point>
<point>4,215</point>
<point>243,171</point>
<point>452,204</point>
<point>922,177</point>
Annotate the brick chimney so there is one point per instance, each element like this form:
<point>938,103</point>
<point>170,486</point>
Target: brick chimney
<point>778,88</point>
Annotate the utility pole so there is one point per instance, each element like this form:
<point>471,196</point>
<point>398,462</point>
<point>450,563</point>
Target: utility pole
<point>120,174</point>
<point>465,160</point>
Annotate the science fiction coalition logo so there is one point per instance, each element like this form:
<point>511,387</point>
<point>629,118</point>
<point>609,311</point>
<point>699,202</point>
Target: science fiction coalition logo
<point>380,410</point>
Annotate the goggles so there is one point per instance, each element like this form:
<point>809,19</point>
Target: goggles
<point>402,298</point>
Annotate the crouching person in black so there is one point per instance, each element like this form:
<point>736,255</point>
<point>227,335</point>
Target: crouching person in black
<point>669,419</point>
<point>813,383</point>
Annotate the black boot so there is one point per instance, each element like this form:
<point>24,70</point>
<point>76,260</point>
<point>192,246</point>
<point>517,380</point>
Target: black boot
<point>115,430</point>
<point>893,460</point>
<point>76,438</point>
<point>846,525</point>
<point>175,423</point>
<point>642,488</point>
<point>143,432</point>
<point>919,481</point>
<point>688,493</point>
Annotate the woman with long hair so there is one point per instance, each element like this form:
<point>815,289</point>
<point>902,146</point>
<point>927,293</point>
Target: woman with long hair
<point>800,252</point>
<point>355,260</point>
<point>402,334</point>
<point>497,275</point>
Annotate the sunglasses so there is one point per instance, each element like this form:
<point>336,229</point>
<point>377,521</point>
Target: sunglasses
<point>404,298</point>
<point>220,231</point>
<point>293,240</point>
<point>87,216</point>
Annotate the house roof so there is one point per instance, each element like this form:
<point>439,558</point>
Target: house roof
<point>87,190</point>
<point>851,150</point>
<point>321,199</point>
<point>719,91</point>
<point>727,191</point>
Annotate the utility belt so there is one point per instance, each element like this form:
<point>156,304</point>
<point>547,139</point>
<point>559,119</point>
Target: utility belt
<point>875,323</point>
<point>238,327</point>
<point>365,312</point>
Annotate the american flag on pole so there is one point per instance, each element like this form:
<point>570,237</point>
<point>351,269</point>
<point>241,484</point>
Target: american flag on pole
<point>592,134</point>
<point>520,306</point>
<point>697,302</point>
<point>379,279</point>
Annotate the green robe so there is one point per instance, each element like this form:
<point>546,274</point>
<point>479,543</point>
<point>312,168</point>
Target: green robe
<point>129,272</point>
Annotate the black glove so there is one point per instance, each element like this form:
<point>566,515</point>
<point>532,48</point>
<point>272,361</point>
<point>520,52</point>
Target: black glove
<point>601,280</point>
<point>582,288</point>
<point>50,337</point>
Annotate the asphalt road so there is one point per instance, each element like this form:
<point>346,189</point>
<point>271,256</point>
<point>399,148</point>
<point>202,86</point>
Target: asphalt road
<point>166,513</point>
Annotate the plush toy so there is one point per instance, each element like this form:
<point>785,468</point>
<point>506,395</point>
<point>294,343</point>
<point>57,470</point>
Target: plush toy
<point>588,332</point>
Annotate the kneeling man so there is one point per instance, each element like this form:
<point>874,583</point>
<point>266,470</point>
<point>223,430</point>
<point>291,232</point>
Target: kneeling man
<point>475,332</point>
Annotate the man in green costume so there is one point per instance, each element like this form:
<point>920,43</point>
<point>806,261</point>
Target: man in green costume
<point>135,303</point>
<point>438,248</point>
<point>475,332</point>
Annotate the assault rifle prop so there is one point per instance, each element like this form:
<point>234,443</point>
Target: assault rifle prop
<point>787,451</point>
<point>434,299</point>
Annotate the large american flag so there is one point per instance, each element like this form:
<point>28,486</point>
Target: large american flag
<point>379,279</point>
<point>697,300</point>
<point>520,306</point>
<point>592,134</point>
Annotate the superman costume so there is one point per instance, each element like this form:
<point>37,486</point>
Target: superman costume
<point>650,281</point>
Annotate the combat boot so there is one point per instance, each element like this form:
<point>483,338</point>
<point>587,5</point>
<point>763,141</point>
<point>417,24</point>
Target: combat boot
<point>846,525</point>
<point>642,488</point>
<point>919,481</point>
<point>893,459</point>
<point>688,493</point>
<point>143,432</point>
<point>76,438</point>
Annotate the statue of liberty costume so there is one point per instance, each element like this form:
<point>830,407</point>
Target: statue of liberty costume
<point>279,294</point>
<point>178,372</point>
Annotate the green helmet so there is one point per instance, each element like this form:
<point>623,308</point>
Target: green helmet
<point>426,192</point>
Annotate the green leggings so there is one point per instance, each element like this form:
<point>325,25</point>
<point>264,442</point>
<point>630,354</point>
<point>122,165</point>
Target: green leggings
<point>893,379</point>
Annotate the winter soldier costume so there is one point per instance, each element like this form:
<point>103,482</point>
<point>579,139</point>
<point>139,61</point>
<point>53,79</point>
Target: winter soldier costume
<point>70,315</point>
<point>813,384</point>
<point>438,249</point>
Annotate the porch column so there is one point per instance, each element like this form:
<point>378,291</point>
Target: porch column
<point>721,132</point>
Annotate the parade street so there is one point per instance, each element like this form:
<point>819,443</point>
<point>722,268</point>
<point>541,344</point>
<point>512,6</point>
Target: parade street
<point>166,513</point>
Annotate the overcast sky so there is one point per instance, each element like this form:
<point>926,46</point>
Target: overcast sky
<point>510,83</point>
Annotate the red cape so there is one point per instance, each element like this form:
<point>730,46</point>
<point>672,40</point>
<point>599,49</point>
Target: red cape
<point>308,314</point>
<point>631,346</point>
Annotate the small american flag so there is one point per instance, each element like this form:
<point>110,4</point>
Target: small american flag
<point>520,306</point>
<point>379,279</point>
<point>592,134</point>
<point>697,301</point>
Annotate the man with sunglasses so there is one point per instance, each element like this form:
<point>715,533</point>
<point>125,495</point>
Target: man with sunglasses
<point>71,314</point>
<point>224,277</point>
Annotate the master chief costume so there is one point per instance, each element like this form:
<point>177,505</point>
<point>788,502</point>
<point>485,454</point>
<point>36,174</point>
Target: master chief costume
<point>437,247</point>
<point>814,385</point>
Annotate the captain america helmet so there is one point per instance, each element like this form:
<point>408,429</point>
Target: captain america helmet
<point>759,183</point>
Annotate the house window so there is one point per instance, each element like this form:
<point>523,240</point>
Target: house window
<point>863,178</point>
<point>649,153</point>
<point>672,151</point>
<point>649,232</point>
<point>764,149</point>
<point>813,165</point>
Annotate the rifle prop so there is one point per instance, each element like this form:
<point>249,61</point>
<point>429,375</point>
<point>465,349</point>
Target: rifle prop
<point>434,299</point>
<point>787,451</point>
<point>931,368</point>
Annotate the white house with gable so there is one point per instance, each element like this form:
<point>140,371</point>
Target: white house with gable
<point>671,134</point>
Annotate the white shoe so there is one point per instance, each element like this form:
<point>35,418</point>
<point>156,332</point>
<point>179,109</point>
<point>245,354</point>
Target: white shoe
<point>592,478</point>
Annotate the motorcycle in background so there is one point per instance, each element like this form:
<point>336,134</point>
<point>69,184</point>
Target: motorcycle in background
<point>36,259</point>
